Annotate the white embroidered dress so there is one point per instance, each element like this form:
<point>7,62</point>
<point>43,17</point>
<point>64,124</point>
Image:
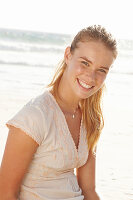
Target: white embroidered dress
<point>50,175</point>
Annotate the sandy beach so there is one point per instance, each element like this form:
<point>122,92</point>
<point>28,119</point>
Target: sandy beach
<point>114,164</point>
<point>26,67</point>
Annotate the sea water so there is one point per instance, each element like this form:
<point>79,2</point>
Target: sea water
<point>27,64</point>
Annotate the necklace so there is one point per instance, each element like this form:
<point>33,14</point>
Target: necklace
<point>64,111</point>
<point>73,115</point>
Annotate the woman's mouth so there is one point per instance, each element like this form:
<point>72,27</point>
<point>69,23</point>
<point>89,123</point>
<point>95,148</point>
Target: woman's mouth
<point>84,85</point>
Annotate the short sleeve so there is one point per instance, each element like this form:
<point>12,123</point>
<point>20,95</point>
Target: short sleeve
<point>30,120</point>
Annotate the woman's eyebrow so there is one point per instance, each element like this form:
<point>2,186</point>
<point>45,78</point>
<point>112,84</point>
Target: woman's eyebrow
<point>89,61</point>
<point>85,58</point>
<point>105,68</point>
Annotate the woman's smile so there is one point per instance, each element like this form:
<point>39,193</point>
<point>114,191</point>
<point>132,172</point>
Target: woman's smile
<point>86,69</point>
<point>84,85</point>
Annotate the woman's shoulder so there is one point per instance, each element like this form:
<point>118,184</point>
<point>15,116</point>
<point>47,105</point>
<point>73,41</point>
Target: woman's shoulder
<point>41,100</point>
<point>32,118</point>
<point>44,102</point>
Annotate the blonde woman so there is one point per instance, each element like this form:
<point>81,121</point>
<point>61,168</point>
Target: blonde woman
<point>59,130</point>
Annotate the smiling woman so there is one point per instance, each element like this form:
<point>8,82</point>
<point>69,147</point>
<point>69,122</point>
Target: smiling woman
<point>59,130</point>
<point>90,69</point>
<point>84,68</point>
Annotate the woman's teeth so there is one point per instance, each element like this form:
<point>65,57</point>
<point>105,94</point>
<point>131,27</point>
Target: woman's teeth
<point>83,84</point>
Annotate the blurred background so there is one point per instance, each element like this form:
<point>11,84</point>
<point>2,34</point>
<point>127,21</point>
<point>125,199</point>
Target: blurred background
<point>33,37</point>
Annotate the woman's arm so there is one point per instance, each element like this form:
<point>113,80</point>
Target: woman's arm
<point>86,178</point>
<point>18,154</point>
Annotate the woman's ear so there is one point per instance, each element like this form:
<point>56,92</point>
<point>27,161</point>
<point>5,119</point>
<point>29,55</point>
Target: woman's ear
<point>67,55</point>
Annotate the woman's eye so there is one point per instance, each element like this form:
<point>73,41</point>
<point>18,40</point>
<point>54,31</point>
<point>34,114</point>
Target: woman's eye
<point>85,63</point>
<point>102,70</point>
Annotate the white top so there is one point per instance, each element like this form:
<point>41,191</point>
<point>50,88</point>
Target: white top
<point>50,175</point>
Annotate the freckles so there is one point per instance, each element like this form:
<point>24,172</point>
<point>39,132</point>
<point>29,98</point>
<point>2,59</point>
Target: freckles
<point>101,81</point>
<point>103,78</point>
<point>100,78</point>
<point>80,69</point>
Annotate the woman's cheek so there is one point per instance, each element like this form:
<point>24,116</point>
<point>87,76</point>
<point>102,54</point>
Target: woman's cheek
<point>100,77</point>
<point>80,69</point>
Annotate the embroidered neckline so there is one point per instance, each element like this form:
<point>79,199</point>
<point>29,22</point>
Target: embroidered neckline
<point>66,125</point>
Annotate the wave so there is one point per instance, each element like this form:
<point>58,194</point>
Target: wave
<point>34,37</point>
<point>25,64</point>
<point>26,48</point>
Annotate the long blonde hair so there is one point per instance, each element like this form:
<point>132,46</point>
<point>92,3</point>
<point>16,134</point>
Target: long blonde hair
<point>91,107</point>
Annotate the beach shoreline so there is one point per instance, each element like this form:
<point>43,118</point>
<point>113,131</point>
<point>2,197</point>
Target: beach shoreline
<point>26,67</point>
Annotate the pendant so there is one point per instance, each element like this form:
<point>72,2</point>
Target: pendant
<point>73,116</point>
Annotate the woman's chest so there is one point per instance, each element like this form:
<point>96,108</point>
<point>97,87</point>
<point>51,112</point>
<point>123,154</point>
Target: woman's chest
<point>74,128</point>
<point>60,150</point>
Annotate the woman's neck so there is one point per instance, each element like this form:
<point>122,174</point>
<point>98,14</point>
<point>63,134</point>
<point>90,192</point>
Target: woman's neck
<point>66,97</point>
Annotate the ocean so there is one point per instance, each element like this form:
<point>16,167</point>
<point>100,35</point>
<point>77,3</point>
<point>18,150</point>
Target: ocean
<point>28,61</point>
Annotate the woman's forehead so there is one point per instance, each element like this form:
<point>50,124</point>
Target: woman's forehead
<point>94,45</point>
<point>96,52</point>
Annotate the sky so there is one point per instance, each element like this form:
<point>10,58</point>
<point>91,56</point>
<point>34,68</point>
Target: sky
<point>68,16</point>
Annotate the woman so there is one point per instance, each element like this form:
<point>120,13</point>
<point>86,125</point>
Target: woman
<point>59,130</point>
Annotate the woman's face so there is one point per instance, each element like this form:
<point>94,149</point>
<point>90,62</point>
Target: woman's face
<point>87,68</point>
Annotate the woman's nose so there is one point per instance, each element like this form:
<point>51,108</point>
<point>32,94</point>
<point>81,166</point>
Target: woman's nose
<point>91,77</point>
